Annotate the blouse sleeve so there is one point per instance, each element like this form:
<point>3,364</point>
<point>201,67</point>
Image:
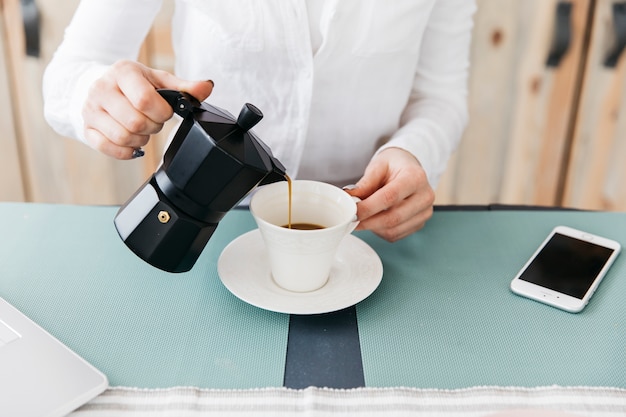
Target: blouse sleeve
<point>100,33</point>
<point>436,114</point>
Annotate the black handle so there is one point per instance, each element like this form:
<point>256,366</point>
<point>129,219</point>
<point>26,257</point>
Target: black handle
<point>619,25</point>
<point>182,103</point>
<point>562,36</point>
<point>31,21</point>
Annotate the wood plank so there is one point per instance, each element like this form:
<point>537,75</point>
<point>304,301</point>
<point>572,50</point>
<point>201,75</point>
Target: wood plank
<point>11,181</point>
<point>597,175</point>
<point>539,137</point>
<point>474,174</point>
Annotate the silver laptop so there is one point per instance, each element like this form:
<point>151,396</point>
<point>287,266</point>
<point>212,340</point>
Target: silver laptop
<point>40,376</point>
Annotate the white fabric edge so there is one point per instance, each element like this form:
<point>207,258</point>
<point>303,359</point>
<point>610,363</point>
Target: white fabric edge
<point>397,401</point>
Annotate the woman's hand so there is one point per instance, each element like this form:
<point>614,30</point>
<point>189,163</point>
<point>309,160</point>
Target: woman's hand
<point>397,199</point>
<point>123,107</point>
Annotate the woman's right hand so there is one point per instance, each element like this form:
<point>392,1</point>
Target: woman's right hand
<point>123,107</point>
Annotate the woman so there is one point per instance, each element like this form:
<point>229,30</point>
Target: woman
<point>371,93</point>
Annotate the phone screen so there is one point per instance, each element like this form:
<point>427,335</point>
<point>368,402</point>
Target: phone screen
<point>567,265</point>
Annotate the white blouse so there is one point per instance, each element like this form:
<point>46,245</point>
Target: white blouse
<point>375,74</point>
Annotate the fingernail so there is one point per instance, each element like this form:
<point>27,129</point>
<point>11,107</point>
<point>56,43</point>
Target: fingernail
<point>212,83</point>
<point>349,187</point>
<point>138,153</point>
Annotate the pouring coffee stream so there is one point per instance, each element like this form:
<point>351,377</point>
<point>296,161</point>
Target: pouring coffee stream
<point>212,163</point>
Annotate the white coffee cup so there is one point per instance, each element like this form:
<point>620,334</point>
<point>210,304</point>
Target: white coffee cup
<point>301,260</point>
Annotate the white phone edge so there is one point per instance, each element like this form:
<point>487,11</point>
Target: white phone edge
<point>554,298</point>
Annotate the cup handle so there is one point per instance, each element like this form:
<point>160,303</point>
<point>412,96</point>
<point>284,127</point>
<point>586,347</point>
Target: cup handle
<point>354,222</point>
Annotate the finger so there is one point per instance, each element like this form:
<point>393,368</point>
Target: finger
<point>98,141</point>
<point>401,221</point>
<point>366,188</point>
<point>198,89</point>
<point>128,118</point>
<point>142,96</point>
<point>110,128</point>
<point>163,79</point>
<point>383,199</point>
<point>401,231</point>
<point>388,218</point>
<point>372,180</point>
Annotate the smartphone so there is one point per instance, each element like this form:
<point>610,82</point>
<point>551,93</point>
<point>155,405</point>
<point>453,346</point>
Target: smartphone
<point>566,269</point>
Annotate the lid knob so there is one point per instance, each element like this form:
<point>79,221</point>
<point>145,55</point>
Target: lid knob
<point>248,117</point>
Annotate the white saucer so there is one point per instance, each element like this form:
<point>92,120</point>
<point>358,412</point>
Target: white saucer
<point>244,270</point>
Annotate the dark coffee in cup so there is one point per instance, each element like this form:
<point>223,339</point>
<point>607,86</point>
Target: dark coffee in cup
<point>303,226</point>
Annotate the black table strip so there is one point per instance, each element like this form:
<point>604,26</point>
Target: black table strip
<point>495,207</point>
<point>324,351</point>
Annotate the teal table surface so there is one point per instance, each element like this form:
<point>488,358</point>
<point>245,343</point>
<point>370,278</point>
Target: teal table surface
<point>67,269</point>
<point>443,316</point>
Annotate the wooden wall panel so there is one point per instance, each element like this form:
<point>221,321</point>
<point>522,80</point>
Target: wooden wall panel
<point>597,170</point>
<point>60,170</point>
<point>520,108</point>
<point>11,181</point>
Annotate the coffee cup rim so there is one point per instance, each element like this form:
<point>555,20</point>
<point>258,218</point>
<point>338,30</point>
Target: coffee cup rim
<point>349,219</point>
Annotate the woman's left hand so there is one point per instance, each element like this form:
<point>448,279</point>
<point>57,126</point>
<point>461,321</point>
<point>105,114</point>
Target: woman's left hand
<point>397,199</point>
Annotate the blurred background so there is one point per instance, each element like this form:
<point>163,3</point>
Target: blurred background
<point>547,109</point>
